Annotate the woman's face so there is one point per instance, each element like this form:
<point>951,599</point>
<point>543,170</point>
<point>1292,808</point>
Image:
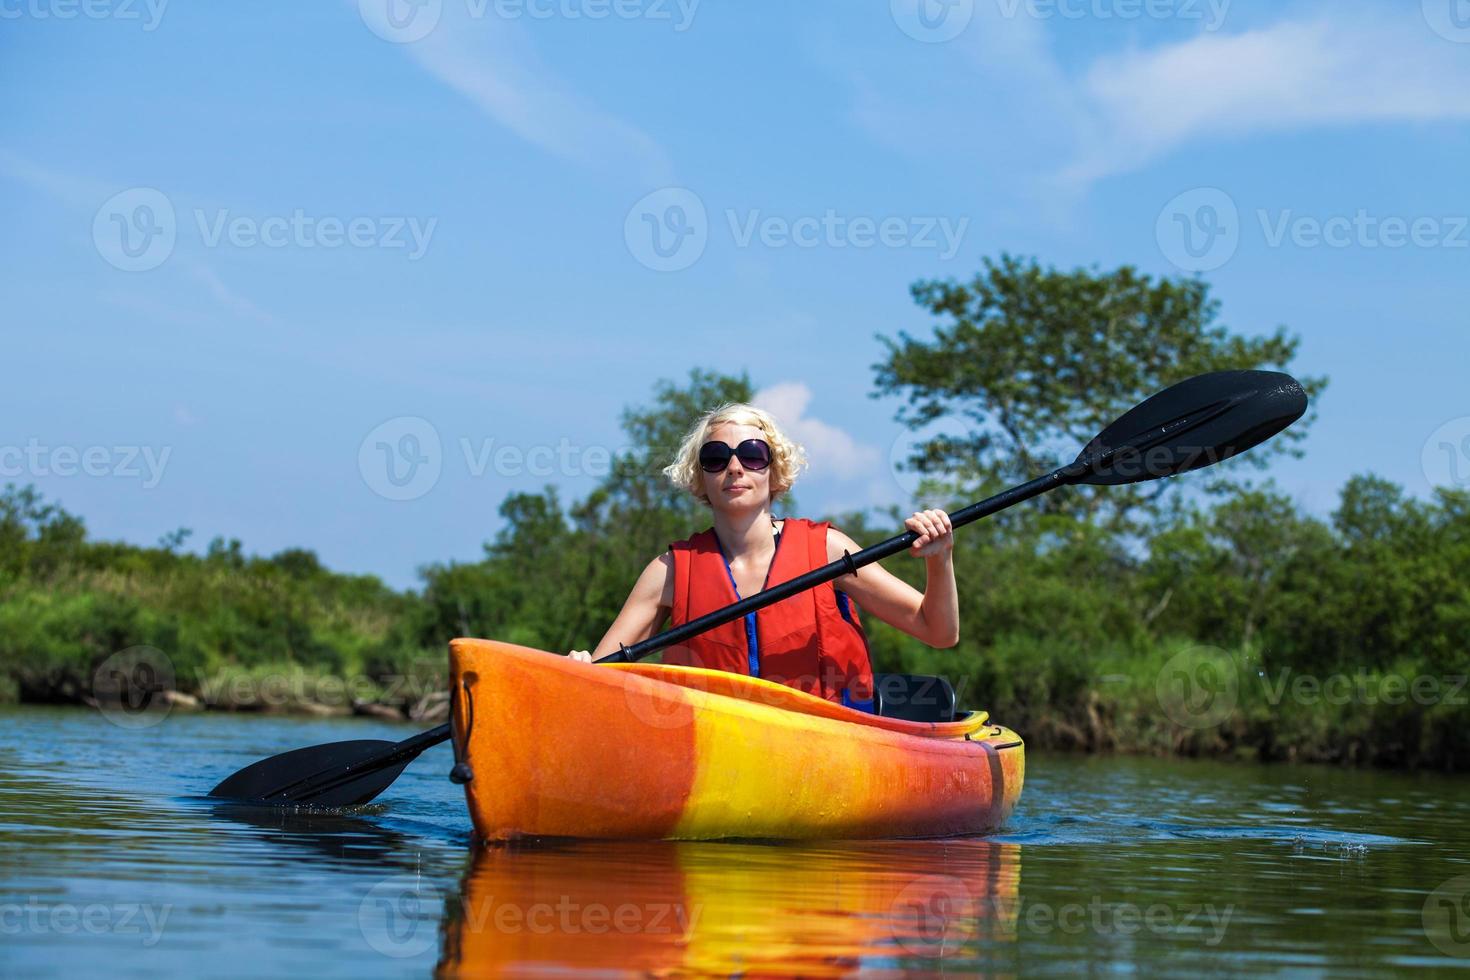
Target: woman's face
<point>737,488</point>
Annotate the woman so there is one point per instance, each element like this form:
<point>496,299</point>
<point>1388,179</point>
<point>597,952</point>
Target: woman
<point>737,461</point>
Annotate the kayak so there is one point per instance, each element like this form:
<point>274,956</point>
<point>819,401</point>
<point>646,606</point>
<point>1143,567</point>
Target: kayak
<point>554,747</point>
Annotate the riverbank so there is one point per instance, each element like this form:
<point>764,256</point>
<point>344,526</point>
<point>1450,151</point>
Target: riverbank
<point>1179,699</point>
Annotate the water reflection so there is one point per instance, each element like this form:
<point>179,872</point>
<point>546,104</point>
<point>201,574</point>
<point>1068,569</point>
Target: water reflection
<point>336,838</point>
<point>753,909</point>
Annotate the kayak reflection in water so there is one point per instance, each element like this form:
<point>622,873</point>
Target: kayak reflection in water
<point>738,462</point>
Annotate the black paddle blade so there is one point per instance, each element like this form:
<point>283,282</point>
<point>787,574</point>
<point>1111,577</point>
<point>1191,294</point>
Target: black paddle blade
<point>1191,425</point>
<point>331,775</point>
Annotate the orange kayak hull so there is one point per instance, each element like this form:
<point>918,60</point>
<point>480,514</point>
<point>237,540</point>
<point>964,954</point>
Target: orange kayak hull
<point>560,748</point>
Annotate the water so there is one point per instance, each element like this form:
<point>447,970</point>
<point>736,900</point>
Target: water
<point>110,861</point>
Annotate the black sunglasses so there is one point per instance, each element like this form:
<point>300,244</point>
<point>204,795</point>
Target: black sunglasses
<point>754,454</point>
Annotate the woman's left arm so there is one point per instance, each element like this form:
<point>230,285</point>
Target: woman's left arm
<point>932,616</point>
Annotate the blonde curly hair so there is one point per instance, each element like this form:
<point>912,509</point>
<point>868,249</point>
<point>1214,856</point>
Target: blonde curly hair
<point>787,457</point>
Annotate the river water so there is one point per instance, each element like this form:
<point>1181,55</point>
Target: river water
<point>111,862</point>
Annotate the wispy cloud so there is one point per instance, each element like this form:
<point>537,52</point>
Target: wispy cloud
<point>227,297</point>
<point>65,188</point>
<point>1346,68</point>
<point>1006,99</point>
<point>493,63</point>
<point>830,449</point>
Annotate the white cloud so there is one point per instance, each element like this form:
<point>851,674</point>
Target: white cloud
<point>1345,68</point>
<point>228,297</point>
<point>1001,96</point>
<point>492,63</point>
<point>68,189</point>
<point>829,449</point>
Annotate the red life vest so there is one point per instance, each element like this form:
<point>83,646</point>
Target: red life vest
<point>812,641</point>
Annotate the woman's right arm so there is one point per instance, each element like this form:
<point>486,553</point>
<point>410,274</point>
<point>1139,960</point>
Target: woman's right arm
<point>647,607</point>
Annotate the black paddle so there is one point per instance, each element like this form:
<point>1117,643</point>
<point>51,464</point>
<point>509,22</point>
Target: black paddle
<point>1190,425</point>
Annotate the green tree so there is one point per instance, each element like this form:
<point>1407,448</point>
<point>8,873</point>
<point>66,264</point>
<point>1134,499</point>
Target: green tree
<point>1035,361</point>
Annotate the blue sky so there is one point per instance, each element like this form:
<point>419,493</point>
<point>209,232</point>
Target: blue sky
<point>248,246</point>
